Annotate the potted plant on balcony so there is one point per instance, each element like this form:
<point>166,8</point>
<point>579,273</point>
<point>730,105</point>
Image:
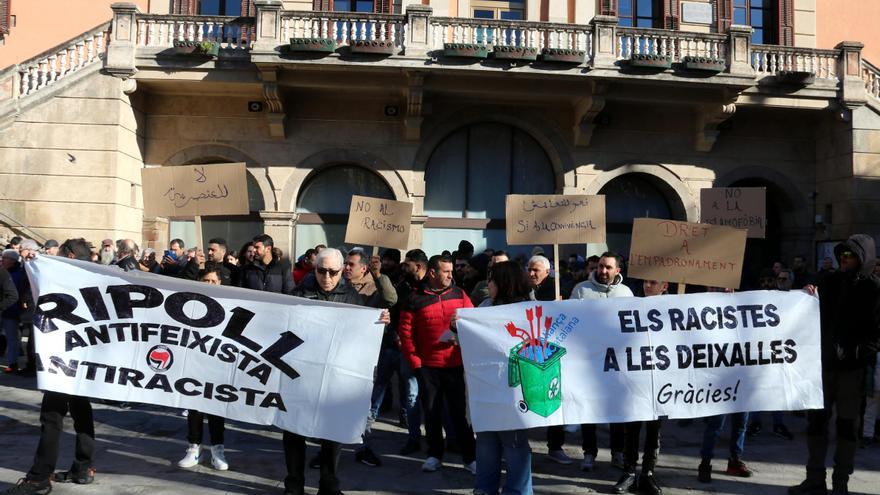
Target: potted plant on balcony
<point>509,52</point>
<point>795,77</point>
<point>563,55</point>
<point>465,50</point>
<point>375,47</point>
<point>651,61</point>
<point>197,48</point>
<point>313,45</point>
<point>708,64</point>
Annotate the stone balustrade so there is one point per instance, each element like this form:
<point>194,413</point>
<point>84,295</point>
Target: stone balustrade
<point>871,76</point>
<point>675,45</point>
<point>344,27</point>
<point>770,60</point>
<point>161,31</point>
<point>521,34</point>
<point>61,61</point>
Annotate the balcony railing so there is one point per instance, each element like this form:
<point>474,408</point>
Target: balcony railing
<point>769,60</point>
<point>344,27</point>
<point>871,76</point>
<point>675,45</point>
<point>234,34</point>
<point>521,34</point>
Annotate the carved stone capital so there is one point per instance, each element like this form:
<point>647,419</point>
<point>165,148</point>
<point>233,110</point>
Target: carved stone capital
<point>708,118</point>
<point>585,111</point>
<point>274,104</point>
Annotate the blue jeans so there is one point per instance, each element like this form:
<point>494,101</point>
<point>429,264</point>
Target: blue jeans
<point>13,341</point>
<point>513,446</point>
<point>389,360</point>
<point>714,426</point>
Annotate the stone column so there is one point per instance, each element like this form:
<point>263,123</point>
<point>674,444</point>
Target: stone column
<point>604,41</point>
<point>268,26</point>
<point>279,225</point>
<point>739,51</point>
<point>849,69</point>
<point>418,34</point>
<point>123,41</point>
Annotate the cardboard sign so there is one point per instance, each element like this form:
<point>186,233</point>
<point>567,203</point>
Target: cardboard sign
<point>195,190</point>
<point>379,222</point>
<point>684,252</point>
<point>738,207</point>
<point>555,219</point>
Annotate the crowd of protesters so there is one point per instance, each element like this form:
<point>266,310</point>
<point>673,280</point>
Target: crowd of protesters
<point>421,294</point>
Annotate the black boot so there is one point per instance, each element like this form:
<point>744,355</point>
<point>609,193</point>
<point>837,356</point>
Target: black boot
<point>626,483</point>
<point>704,472</point>
<point>810,486</point>
<point>648,483</point>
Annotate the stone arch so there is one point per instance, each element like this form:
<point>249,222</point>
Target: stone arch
<point>216,152</point>
<point>541,130</point>
<point>679,196</point>
<point>322,160</point>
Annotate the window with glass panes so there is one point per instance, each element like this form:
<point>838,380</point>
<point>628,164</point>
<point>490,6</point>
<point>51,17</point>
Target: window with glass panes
<point>640,13</point>
<point>761,15</point>
<point>498,9</point>
<point>220,7</point>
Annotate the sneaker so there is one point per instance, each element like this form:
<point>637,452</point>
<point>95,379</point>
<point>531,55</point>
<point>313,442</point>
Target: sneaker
<point>218,458</point>
<point>704,472</point>
<point>754,429</point>
<point>10,369</point>
<point>618,460</point>
<point>782,431</point>
<point>367,457</point>
<point>588,463</point>
<point>431,464</point>
<point>736,467</point>
<point>75,477</point>
<point>809,487</point>
<point>626,483</point>
<point>559,457</point>
<point>648,484</point>
<point>472,467</point>
<point>28,487</point>
<point>411,447</point>
<point>192,457</point>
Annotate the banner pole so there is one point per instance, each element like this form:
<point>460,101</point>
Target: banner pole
<point>556,269</point>
<point>681,287</point>
<point>198,219</point>
<point>375,250</point>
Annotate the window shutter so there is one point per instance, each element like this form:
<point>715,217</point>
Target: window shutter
<point>724,14</point>
<point>185,7</point>
<point>248,9</point>
<point>322,5</point>
<point>670,14</point>
<point>608,7</point>
<point>5,19</point>
<point>382,6</point>
<point>786,22</point>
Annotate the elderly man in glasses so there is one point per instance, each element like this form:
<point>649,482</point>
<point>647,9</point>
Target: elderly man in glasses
<point>327,285</point>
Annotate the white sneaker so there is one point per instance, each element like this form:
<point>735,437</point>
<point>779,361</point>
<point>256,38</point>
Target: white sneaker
<point>472,467</point>
<point>432,464</point>
<point>618,460</point>
<point>218,458</point>
<point>191,459</point>
<point>588,462</point>
<point>560,457</point>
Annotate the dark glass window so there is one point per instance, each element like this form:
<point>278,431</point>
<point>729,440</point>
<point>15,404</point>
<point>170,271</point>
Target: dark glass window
<point>639,13</point>
<point>761,15</point>
<point>220,7</point>
<point>353,6</point>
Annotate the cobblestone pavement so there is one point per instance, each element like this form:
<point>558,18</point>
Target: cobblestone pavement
<point>137,451</point>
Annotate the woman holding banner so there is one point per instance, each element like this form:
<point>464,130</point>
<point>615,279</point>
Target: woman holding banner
<point>507,284</point>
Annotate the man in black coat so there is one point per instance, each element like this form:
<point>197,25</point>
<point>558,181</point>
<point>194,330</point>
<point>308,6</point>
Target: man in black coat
<point>126,256</point>
<point>326,285</point>
<point>850,318</point>
<point>216,260</point>
<point>266,273</point>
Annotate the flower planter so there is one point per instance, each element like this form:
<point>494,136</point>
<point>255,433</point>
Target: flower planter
<point>312,45</point>
<point>795,77</point>
<point>563,55</point>
<point>515,53</point>
<point>375,47</point>
<point>651,61</point>
<point>707,64</point>
<point>465,50</point>
<point>197,48</point>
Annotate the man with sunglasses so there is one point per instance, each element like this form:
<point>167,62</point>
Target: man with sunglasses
<point>850,324</point>
<point>327,285</point>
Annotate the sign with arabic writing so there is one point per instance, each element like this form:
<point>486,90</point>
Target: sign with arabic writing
<point>555,219</point>
<point>195,190</point>
<point>379,222</point>
<point>739,207</point>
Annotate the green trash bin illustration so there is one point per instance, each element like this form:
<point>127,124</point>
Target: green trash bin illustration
<point>541,382</point>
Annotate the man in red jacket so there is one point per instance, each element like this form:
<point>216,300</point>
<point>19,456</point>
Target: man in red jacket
<point>424,319</point>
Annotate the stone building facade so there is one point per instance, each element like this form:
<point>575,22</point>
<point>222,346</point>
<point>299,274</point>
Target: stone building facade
<point>452,135</point>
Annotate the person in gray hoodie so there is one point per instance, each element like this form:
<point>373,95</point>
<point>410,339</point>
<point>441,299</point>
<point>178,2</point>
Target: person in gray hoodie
<point>604,282</point>
<point>849,301</point>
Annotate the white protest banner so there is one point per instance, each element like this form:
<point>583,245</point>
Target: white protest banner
<point>635,359</point>
<point>304,366</point>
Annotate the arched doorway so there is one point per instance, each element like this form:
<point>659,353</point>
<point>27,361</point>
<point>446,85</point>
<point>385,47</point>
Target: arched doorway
<point>467,178</point>
<point>324,200</point>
